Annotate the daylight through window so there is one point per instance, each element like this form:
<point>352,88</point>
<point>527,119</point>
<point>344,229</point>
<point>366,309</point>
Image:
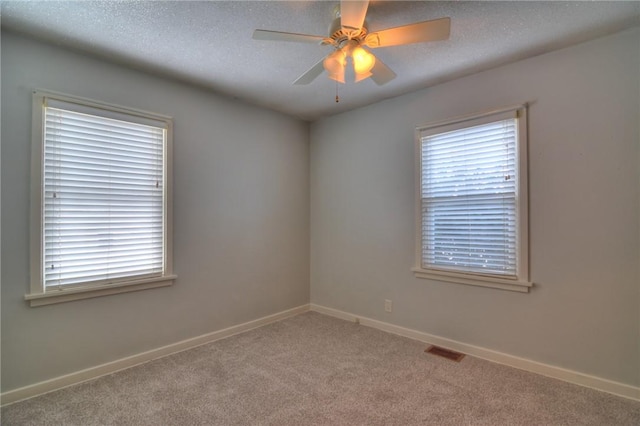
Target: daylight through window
<point>472,218</point>
<point>103,197</point>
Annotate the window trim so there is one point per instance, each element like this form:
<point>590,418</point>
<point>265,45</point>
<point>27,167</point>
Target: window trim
<point>38,295</point>
<point>520,283</point>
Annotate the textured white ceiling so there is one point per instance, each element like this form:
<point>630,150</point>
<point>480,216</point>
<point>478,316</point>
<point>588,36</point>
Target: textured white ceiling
<point>209,43</point>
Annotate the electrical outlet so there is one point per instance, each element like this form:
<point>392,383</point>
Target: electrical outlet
<point>388,305</point>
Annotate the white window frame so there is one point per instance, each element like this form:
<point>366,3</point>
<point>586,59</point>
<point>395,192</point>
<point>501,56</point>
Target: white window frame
<point>520,282</point>
<point>38,294</point>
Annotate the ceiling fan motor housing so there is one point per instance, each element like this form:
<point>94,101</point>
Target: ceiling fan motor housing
<point>340,35</point>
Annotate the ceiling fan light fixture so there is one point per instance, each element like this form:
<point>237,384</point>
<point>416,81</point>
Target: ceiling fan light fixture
<point>363,62</point>
<point>362,76</point>
<point>334,64</point>
<point>339,77</point>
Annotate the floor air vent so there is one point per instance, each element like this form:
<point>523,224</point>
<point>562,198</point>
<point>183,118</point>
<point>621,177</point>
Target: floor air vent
<point>445,353</point>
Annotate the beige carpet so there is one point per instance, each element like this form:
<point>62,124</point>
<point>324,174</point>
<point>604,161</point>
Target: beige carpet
<point>317,370</point>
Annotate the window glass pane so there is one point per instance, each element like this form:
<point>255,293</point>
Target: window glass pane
<point>468,197</point>
<point>103,198</point>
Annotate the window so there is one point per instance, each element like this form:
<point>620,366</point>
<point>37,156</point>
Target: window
<point>101,200</point>
<point>472,201</point>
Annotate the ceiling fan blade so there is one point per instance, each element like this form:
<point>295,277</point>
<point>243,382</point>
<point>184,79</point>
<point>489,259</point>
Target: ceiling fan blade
<point>437,29</point>
<point>352,13</point>
<point>311,74</point>
<point>280,36</point>
<point>381,73</point>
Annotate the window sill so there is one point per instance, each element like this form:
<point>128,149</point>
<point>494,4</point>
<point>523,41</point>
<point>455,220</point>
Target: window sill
<point>477,280</point>
<point>76,293</point>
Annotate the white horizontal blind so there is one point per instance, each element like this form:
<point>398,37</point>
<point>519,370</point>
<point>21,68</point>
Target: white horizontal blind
<point>103,198</point>
<point>468,196</point>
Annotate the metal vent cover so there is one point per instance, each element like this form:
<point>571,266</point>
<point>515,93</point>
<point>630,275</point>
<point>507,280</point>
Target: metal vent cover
<point>445,353</point>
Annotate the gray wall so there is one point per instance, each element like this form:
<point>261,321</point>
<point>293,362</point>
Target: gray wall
<point>584,311</point>
<point>241,219</point>
<point>242,215</point>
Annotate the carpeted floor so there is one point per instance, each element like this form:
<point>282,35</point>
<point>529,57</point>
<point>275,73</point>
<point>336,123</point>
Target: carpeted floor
<point>317,370</point>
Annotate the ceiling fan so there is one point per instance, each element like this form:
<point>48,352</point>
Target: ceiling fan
<point>348,35</point>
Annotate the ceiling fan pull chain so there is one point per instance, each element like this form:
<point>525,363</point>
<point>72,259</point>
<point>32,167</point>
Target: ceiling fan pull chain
<point>337,98</point>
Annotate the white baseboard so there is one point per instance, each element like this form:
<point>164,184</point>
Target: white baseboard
<point>570,376</point>
<point>121,364</point>
<point>593,382</point>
